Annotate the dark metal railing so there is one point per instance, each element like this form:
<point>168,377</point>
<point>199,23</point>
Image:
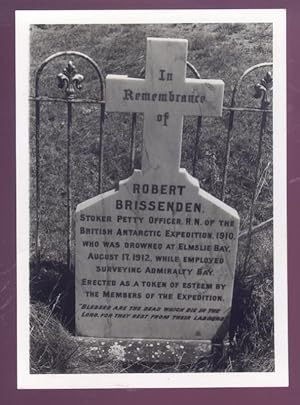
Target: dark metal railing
<point>70,82</point>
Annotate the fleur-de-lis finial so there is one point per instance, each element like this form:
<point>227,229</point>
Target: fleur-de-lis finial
<point>263,89</point>
<point>70,80</point>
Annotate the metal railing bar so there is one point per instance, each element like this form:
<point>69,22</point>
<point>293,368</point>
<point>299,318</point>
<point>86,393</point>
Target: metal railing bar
<point>246,109</point>
<point>199,122</point>
<point>196,145</point>
<point>254,192</point>
<point>227,154</point>
<point>132,142</point>
<point>37,185</point>
<point>92,101</point>
<point>100,161</point>
<point>64,100</point>
<point>69,197</point>
<point>193,69</point>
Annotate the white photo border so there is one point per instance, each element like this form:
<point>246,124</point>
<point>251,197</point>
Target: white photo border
<point>278,378</point>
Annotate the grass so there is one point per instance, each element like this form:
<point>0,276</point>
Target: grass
<point>54,350</point>
<point>220,51</point>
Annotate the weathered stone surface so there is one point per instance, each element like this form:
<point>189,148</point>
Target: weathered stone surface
<point>145,351</point>
<point>173,252</point>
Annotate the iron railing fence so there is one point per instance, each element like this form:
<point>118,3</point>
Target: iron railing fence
<point>69,81</point>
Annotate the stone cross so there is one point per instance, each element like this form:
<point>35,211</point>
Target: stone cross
<point>164,96</point>
<point>155,257</point>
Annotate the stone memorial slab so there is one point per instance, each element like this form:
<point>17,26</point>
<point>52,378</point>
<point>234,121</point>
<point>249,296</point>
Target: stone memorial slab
<point>155,259</point>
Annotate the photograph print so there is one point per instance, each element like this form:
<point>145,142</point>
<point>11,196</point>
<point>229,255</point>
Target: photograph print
<point>151,198</point>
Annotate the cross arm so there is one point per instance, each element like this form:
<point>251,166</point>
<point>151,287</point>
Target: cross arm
<point>124,94</point>
<point>207,97</point>
<point>191,97</point>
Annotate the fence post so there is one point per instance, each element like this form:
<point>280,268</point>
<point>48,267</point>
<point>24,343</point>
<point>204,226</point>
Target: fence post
<point>70,81</point>
<point>100,161</point>
<point>262,90</point>
<point>132,142</point>
<point>37,182</point>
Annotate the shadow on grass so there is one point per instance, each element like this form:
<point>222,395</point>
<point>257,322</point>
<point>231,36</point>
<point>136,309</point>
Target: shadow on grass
<point>54,285</point>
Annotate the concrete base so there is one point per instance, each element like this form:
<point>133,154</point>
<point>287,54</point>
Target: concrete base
<point>150,350</point>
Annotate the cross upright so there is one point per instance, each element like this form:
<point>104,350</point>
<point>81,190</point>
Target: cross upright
<point>164,96</point>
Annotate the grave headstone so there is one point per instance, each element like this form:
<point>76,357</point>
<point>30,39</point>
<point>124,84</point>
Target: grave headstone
<point>155,259</point>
